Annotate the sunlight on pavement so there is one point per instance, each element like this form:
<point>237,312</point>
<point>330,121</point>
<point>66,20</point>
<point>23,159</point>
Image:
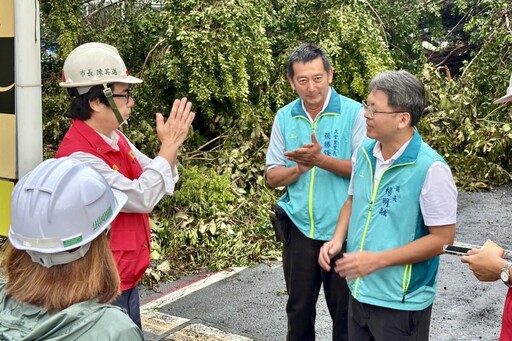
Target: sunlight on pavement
<point>158,326</point>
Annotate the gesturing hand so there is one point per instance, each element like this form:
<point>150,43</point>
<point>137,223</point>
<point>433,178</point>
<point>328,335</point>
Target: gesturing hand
<point>308,155</point>
<point>172,133</point>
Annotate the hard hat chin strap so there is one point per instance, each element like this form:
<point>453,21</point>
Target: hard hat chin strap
<point>110,98</point>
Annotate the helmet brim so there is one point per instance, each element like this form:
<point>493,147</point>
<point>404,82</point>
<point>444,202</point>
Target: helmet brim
<point>504,99</point>
<point>17,243</point>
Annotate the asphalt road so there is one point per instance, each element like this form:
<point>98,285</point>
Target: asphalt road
<point>248,304</point>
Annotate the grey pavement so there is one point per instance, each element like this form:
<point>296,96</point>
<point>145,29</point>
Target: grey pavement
<point>249,303</point>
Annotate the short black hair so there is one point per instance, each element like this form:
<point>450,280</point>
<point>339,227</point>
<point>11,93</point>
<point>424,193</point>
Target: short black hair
<point>306,53</point>
<point>80,108</point>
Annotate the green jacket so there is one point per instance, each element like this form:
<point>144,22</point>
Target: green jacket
<point>82,321</point>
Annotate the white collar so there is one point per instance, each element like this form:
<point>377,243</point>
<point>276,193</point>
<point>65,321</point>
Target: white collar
<point>377,152</point>
<point>326,103</point>
<point>111,140</point>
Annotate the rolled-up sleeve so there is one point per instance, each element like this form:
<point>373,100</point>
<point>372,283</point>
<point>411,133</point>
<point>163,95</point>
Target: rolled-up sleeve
<point>156,180</point>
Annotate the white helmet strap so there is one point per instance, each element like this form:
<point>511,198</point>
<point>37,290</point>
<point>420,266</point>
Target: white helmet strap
<point>50,259</point>
<point>110,98</point>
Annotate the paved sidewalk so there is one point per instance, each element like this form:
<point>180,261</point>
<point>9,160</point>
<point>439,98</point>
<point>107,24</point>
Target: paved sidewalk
<point>242,304</point>
<point>238,305</point>
<point>159,325</point>
<point>249,304</point>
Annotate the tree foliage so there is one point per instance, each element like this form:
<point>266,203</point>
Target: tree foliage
<point>228,57</point>
<point>471,132</point>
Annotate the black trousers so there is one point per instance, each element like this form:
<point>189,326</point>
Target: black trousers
<point>304,277</point>
<point>129,301</point>
<point>373,323</point>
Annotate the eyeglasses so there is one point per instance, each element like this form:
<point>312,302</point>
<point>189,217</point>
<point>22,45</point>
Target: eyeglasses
<point>371,112</point>
<point>127,95</point>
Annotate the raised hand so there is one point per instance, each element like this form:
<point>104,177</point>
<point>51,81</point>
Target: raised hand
<point>175,129</point>
<point>173,132</point>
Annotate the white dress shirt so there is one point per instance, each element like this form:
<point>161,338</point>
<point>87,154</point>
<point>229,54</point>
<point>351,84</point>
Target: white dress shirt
<point>156,180</point>
<point>438,198</point>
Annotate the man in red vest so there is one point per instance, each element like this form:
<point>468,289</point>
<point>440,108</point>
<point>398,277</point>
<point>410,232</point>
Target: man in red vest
<point>97,79</point>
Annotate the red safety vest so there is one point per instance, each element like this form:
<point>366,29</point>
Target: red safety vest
<point>506,324</point>
<point>130,233</point>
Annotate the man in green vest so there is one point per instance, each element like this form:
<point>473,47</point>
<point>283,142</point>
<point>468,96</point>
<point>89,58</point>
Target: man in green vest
<point>401,211</point>
<point>312,140</point>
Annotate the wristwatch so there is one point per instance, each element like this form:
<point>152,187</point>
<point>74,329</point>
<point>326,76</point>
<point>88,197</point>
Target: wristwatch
<point>505,276</point>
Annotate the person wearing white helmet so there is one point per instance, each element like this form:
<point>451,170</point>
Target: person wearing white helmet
<point>61,274</point>
<point>489,265</point>
<point>98,80</point>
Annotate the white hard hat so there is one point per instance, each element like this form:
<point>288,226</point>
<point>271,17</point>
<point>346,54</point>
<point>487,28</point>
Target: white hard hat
<point>59,208</point>
<point>508,96</point>
<point>93,64</point>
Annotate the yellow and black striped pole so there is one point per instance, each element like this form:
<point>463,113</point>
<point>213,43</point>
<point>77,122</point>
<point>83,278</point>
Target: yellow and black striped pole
<point>8,162</point>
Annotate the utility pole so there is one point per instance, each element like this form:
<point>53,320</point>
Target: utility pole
<point>20,97</point>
